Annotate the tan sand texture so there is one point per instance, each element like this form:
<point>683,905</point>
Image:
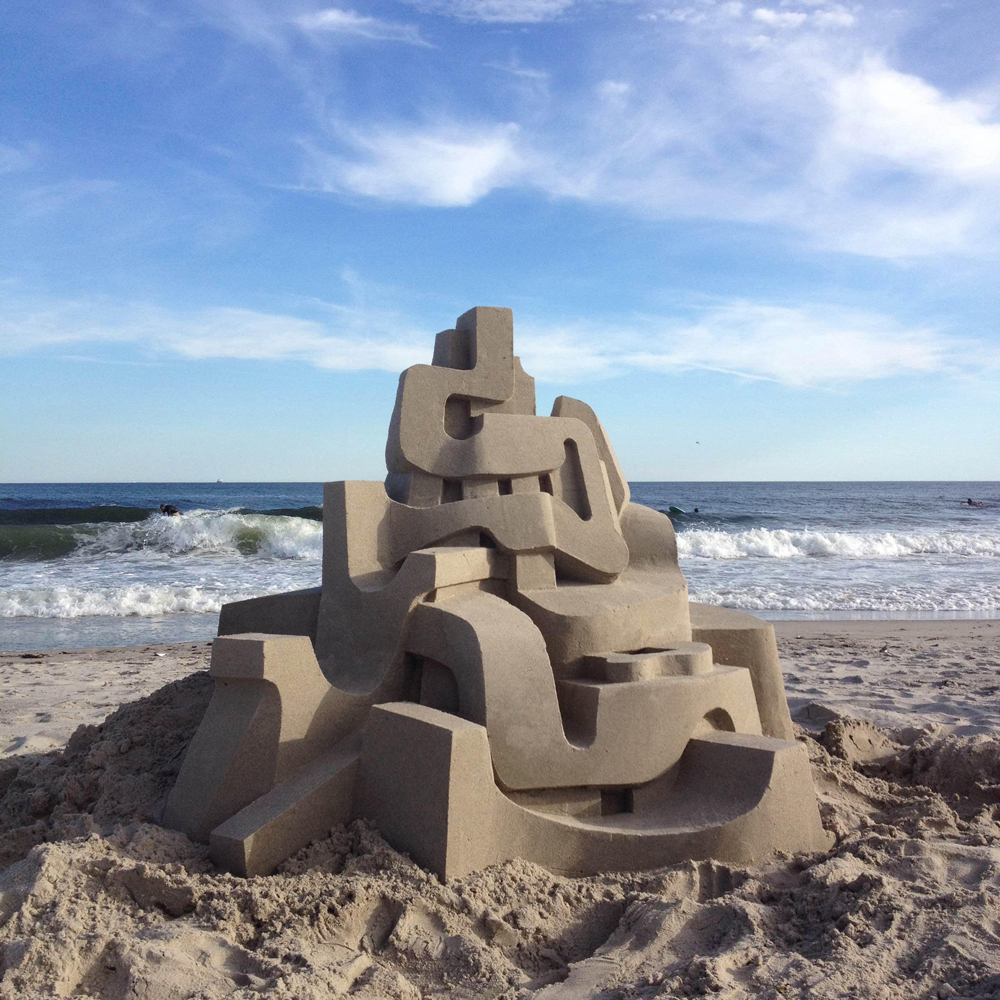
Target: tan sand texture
<point>45,696</point>
<point>946,673</point>
<point>96,901</point>
<point>501,662</point>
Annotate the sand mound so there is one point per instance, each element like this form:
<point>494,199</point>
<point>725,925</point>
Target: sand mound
<point>96,900</point>
<point>857,742</point>
<point>964,769</point>
<point>117,772</point>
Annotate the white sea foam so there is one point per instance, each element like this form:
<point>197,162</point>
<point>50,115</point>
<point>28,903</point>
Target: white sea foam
<point>166,565</point>
<point>206,532</point>
<point>765,543</point>
<point>133,599</point>
<point>749,597</point>
<point>198,562</point>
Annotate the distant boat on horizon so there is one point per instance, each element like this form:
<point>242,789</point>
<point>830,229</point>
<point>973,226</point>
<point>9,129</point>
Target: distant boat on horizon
<point>218,480</point>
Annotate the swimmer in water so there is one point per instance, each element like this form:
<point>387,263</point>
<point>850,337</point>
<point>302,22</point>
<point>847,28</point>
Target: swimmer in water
<point>169,509</point>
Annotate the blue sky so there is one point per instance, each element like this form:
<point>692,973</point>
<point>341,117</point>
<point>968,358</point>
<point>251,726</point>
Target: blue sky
<point>762,241</point>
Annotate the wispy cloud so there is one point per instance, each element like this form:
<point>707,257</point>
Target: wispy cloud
<point>333,21</point>
<point>799,346</point>
<point>275,29</point>
<point>446,166</point>
<point>16,158</point>
<point>771,117</point>
<point>514,68</point>
<point>884,118</point>
<point>829,16</point>
<point>802,346</point>
<point>38,200</point>
<point>352,339</point>
<point>496,11</point>
<point>780,18</point>
<point>804,115</point>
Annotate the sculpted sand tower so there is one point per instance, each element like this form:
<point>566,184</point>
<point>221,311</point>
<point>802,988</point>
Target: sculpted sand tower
<point>501,662</point>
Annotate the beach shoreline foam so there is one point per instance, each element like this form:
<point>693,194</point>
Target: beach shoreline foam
<point>96,564</point>
<point>96,899</point>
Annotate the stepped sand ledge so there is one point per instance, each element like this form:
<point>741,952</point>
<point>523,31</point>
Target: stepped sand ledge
<point>902,723</point>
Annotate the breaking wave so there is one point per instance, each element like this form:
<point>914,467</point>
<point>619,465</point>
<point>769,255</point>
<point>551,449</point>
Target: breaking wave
<point>766,543</point>
<point>131,600</point>
<point>154,566</point>
<point>905,597</point>
<point>100,514</point>
<point>198,532</point>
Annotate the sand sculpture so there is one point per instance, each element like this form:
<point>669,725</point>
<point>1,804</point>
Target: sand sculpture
<point>501,661</point>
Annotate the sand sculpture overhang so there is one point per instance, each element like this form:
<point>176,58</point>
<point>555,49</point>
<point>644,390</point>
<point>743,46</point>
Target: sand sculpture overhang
<point>501,662</point>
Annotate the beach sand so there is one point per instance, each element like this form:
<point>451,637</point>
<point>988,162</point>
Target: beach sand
<point>943,674</point>
<point>902,722</point>
<point>45,695</point>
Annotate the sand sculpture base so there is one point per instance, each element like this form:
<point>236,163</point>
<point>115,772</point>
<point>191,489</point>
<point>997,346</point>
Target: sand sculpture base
<point>501,662</point>
<point>425,777</point>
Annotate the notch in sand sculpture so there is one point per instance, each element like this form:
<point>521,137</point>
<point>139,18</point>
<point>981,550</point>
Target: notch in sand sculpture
<point>501,662</point>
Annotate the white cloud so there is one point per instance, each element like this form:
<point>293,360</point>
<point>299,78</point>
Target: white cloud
<point>334,21</point>
<point>242,333</point>
<point>703,13</point>
<point>780,19</point>
<point>798,345</point>
<point>570,352</point>
<point>514,68</point>
<point>353,339</point>
<point>446,166</point>
<point>806,345</point>
<point>274,29</point>
<point>496,11</point>
<point>834,17</point>
<point>14,158</point>
<point>882,116</point>
<point>680,15</point>
<point>796,128</point>
<point>48,199</point>
<point>614,92</point>
<point>771,115</point>
<point>899,169</point>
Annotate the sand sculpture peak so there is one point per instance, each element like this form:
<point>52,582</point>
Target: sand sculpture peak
<point>501,662</point>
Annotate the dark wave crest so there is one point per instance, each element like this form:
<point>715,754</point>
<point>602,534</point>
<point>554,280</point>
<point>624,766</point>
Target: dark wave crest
<point>37,541</point>
<point>74,515</point>
<point>212,533</point>
<point>122,515</point>
<point>685,518</point>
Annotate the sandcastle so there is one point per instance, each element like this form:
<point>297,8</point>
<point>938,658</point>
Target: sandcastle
<point>501,662</point>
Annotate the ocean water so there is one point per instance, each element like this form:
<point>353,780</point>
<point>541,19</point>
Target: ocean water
<point>97,564</point>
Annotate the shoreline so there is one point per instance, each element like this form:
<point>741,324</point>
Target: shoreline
<point>786,628</point>
<point>783,628</point>
<point>943,675</point>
